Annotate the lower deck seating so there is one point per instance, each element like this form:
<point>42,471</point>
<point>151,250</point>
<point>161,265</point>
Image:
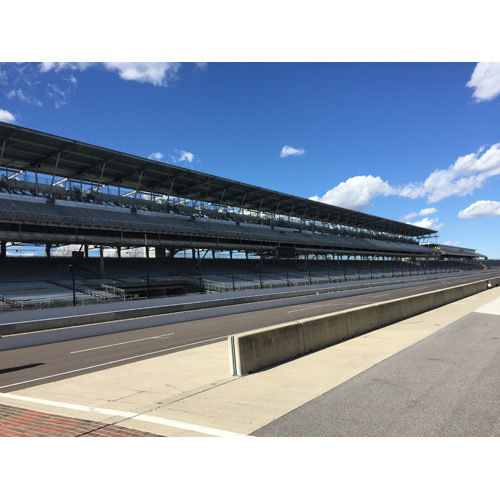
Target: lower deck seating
<point>42,282</point>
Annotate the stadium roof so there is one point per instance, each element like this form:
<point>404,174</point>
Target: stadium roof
<point>31,150</point>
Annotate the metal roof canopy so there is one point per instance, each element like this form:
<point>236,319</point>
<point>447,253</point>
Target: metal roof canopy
<point>35,151</point>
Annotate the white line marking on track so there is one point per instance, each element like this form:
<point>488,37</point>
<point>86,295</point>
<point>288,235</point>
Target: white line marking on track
<point>128,415</point>
<point>306,308</point>
<point>120,343</point>
<point>113,362</point>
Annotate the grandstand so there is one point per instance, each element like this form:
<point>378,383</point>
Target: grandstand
<point>197,232</point>
<point>449,252</point>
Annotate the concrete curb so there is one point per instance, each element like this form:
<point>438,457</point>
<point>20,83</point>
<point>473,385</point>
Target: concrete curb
<point>258,349</point>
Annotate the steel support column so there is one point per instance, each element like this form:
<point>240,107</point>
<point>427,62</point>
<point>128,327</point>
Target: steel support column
<point>160,252</point>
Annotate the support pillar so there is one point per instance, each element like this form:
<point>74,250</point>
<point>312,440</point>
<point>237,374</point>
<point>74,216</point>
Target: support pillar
<point>101,261</point>
<point>230,254</point>
<point>3,250</point>
<point>48,246</point>
<point>213,254</point>
<point>160,252</point>
<point>193,254</point>
<point>86,251</point>
<point>147,252</point>
<point>118,251</point>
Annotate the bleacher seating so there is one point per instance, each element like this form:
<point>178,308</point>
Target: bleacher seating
<point>76,214</point>
<point>42,282</point>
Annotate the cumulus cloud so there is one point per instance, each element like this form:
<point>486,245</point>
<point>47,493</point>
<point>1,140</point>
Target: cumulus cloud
<point>6,116</point>
<point>183,156</point>
<point>155,156</point>
<point>289,151</point>
<point>356,192</point>
<point>480,210</point>
<point>485,80</point>
<point>424,211</point>
<point>158,74</point>
<point>186,156</point>
<point>428,223</point>
<point>463,177</point>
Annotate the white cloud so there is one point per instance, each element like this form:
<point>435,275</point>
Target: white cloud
<point>155,156</point>
<point>451,243</point>
<point>428,223</point>
<point>463,177</point>
<point>35,83</point>
<point>59,96</point>
<point>485,79</point>
<point>6,116</point>
<point>157,74</point>
<point>186,156</point>
<point>356,192</point>
<point>289,151</point>
<point>23,97</point>
<point>58,66</point>
<point>480,209</point>
<point>183,156</point>
<point>201,65</point>
<point>424,211</point>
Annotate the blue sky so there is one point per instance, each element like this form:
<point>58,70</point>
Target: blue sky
<point>389,139</point>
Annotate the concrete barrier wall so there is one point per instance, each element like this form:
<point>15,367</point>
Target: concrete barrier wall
<point>258,349</point>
